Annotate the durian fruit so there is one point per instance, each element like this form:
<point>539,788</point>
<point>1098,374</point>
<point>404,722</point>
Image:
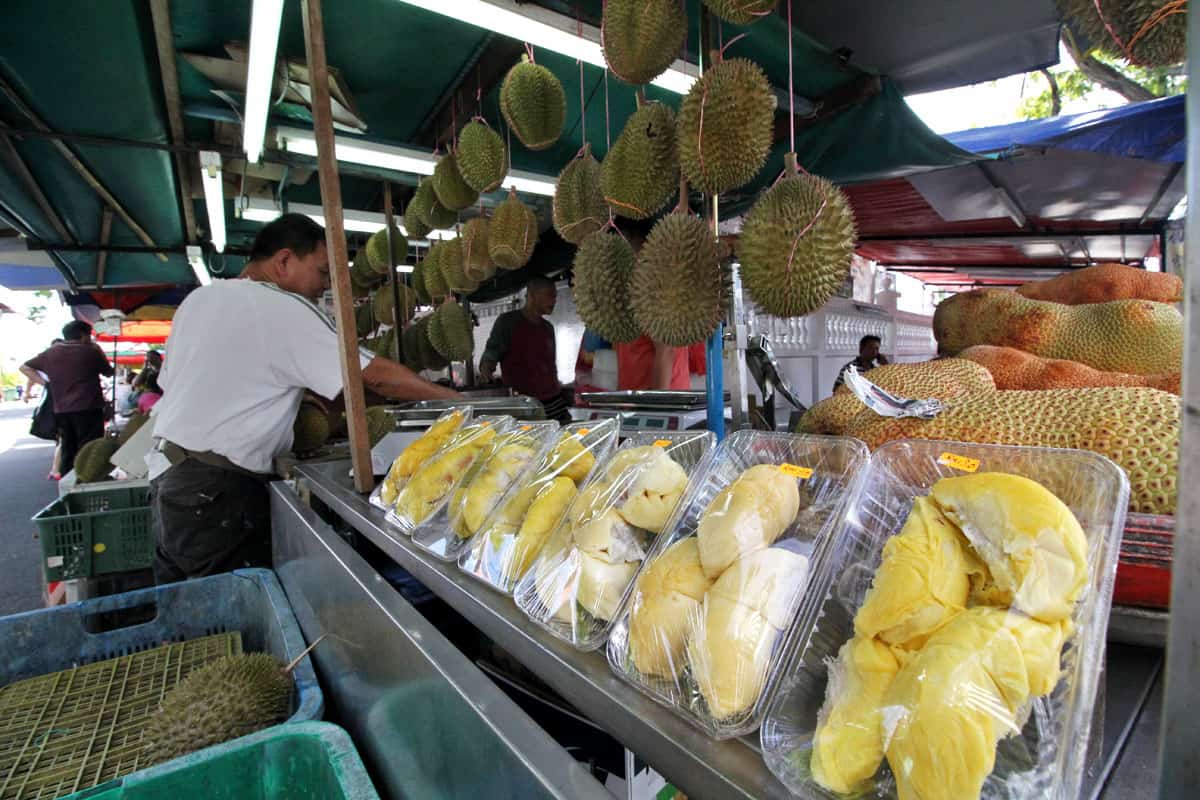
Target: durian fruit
<point>477,264</point>
<point>579,207</point>
<point>311,429</point>
<point>796,245</point>
<point>362,275</point>
<point>746,516</point>
<point>534,104</point>
<point>410,343</point>
<point>430,357</point>
<point>678,289</point>
<point>668,594</point>
<point>476,500</point>
<point>377,250</point>
<point>546,510</point>
<point>364,319</point>
<point>609,555</point>
<point>512,233</point>
<point>225,699</point>
<point>741,12</point>
<point>429,209</point>
<point>726,126</point>
<point>450,332</point>
<point>451,260</point>
<point>379,424</point>
<point>437,477</point>
<point>418,282</point>
<point>92,462</point>
<point>640,174</point>
<point>419,452</point>
<point>413,223</point>
<point>383,306</point>
<point>432,276</point>
<point>569,458</point>
<point>603,270</point>
<point>1163,39</point>
<point>655,484</point>
<point>732,638</point>
<point>1104,283</point>
<point>448,184</point>
<point>641,38</point>
<point>135,423</point>
<point>482,157</point>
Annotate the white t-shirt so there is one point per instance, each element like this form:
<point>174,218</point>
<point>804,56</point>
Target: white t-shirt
<point>242,353</point>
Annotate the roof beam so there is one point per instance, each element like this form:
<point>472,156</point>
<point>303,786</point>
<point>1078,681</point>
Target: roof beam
<point>164,40</point>
<point>476,79</point>
<point>102,255</point>
<point>34,188</point>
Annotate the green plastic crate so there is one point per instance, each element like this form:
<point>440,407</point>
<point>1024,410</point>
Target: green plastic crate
<point>96,532</point>
<point>297,760</point>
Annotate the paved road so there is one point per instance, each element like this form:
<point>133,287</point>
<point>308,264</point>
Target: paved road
<point>24,462</point>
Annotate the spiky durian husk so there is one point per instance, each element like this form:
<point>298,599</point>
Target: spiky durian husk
<point>418,282</point>
<point>383,306</point>
<point>795,246</point>
<point>377,251</point>
<point>430,357</point>
<point>433,276</point>
<point>311,427</point>
<point>135,423</point>
<point>454,267</point>
<point>93,461</point>
<point>362,276</point>
<point>364,319</point>
<point>448,184</point>
<point>450,332</point>
<point>410,343</point>
<point>603,270</point>
<point>379,424</point>
<point>429,209</point>
<point>726,126</point>
<point>741,12</point>
<point>679,284</point>
<point>641,172</point>
<point>579,207</point>
<point>476,262</point>
<point>482,157</point>
<point>642,37</point>
<point>512,234</point>
<point>534,104</point>
<point>413,223</point>
<point>1162,44</point>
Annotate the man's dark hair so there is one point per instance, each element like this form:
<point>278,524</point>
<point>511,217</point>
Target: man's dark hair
<point>869,338</point>
<point>539,282</point>
<point>74,331</point>
<point>154,356</point>
<point>294,232</point>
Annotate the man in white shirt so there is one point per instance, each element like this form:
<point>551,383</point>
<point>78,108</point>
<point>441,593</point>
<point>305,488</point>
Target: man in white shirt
<point>242,353</point>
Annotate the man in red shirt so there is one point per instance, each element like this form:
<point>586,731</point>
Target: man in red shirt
<point>73,369</point>
<point>647,364</point>
<point>522,344</point>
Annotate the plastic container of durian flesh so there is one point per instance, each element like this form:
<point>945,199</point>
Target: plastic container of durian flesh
<point>417,453</point>
<point>512,537</point>
<point>722,596</point>
<point>580,581</point>
<point>983,637</point>
<point>509,458</point>
<point>435,481</point>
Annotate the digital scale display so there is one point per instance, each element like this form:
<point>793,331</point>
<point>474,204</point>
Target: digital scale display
<point>639,421</point>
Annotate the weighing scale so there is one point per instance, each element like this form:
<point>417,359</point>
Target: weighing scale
<point>643,411</point>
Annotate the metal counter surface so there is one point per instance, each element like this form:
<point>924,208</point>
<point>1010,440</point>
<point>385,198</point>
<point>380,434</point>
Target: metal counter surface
<point>697,765</point>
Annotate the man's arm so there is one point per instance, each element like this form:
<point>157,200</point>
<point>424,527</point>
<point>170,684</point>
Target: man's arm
<point>664,366</point>
<point>397,381</point>
<point>496,347</point>
<point>32,374</point>
<point>487,370</point>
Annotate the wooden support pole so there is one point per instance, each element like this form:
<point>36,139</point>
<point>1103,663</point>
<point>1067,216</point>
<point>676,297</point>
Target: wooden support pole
<point>160,12</point>
<point>102,256</point>
<point>335,238</point>
<point>399,310</point>
<point>35,189</point>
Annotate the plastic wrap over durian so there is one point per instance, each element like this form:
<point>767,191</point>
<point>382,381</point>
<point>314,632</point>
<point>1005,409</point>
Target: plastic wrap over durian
<point>416,454</point>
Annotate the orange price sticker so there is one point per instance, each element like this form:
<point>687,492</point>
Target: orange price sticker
<point>663,443</point>
<point>526,427</point>
<point>958,462</point>
<point>803,473</point>
<point>582,432</point>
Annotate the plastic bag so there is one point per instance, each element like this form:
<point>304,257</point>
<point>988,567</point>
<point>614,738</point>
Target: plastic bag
<point>408,462</point>
<point>723,595</point>
<point>579,583</point>
<point>510,457</point>
<point>511,539</point>
<point>432,485</point>
<point>958,653</point>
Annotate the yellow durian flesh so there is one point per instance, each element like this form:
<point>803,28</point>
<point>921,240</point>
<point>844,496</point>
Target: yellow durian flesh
<point>432,482</point>
<point>667,596</point>
<point>498,472</point>
<point>429,443</point>
<point>748,515</point>
<point>1032,544</point>
<point>602,583</point>
<point>653,489</point>
<point>545,512</point>
<point>767,581</point>
<point>571,459</point>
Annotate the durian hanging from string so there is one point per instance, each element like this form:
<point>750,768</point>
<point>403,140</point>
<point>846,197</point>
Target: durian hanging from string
<point>742,12</point>
<point>641,171</point>
<point>579,207</point>
<point>482,156</point>
<point>641,38</point>
<point>1148,33</point>
<point>533,103</point>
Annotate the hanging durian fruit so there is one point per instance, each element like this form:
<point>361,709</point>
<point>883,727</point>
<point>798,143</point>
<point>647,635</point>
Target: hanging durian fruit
<point>512,234</point>
<point>410,345</point>
<point>477,264</point>
<point>579,207</point>
<point>796,244</point>
<point>418,282</point>
<point>452,264</point>
<point>433,276</point>
<point>377,250</point>
<point>679,288</point>
<point>726,125</point>
<point>1149,33</point>
<point>741,12</point>
<point>429,209</point>
<point>430,357</point>
<point>450,332</point>
<point>364,320</point>
<point>482,157</point>
<point>413,223</point>
<point>603,269</point>
<point>534,104</point>
<point>642,37</point>
<point>641,171</point>
<point>383,308</point>
<point>448,184</point>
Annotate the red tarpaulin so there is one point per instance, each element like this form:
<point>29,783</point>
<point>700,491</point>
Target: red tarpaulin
<point>150,331</point>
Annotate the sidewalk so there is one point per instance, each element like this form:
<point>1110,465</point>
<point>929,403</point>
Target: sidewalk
<point>24,490</point>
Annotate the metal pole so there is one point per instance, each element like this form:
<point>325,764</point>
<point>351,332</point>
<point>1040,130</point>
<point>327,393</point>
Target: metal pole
<point>1180,751</point>
<point>335,239</point>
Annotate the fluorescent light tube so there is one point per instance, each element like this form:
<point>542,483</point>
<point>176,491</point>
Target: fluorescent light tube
<point>214,197</point>
<point>257,210</point>
<point>260,74</point>
<point>196,258</point>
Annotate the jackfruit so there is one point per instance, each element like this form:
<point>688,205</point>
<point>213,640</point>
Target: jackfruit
<point>679,286</point>
<point>534,104</point>
<point>1014,369</point>
<point>429,209</point>
<point>848,743</point>
<point>477,264</point>
<point>512,233</point>
<point>433,481</point>
<point>795,246</point>
<point>225,699</point>
<point>1138,337</point>
<point>432,275</point>
<point>1032,544</point>
<point>546,509</point>
<point>654,489</point>
<point>478,497</point>
<point>451,332</point>
<point>377,250</point>
<point>726,126</point>
<point>579,207</point>
<point>640,174</point>
<point>603,270</point>
<point>641,38</point>
<point>482,157</point>
<point>379,424</point>
<point>92,462</point>
<point>741,12</point>
<point>1135,427</point>
<point>570,459</point>
<point>1104,283</point>
<point>744,612</point>
<point>667,596</point>
<point>1136,30</point>
<point>135,423</point>
<point>413,223</point>
<point>748,515</point>
<point>448,184</point>
<point>310,430</point>
<point>453,266</point>
<point>420,451</point>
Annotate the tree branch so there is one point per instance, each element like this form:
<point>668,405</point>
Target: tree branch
<point>1055,97</point>
<point>1103,74</point>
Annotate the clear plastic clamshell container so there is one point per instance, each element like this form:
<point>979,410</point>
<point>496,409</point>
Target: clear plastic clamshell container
<point>579,583</point>
<point>510,457</point>
<point>433,484</point>
<point>512,537</point>
<point>737,578</point>
<point>940,685</point>
<point>416,454</point>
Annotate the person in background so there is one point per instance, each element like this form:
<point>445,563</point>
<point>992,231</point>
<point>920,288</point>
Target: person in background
<point>869,357</point>
<point>647,364</point>
<point>151,393</point>
<point>125,403</point>
<point>73,368</point>
<point>522,344</point>
<point>154,362</point>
